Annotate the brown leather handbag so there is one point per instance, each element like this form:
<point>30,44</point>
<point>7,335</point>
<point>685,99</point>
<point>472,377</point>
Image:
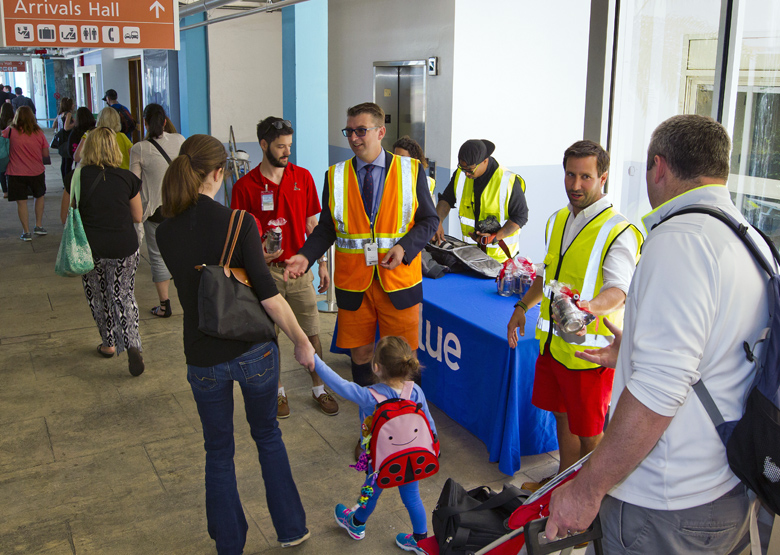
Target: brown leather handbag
<point>228,307</point>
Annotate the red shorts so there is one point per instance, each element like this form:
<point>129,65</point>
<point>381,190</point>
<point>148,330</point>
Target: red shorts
<point>583,394</point>
<point>358,327</point>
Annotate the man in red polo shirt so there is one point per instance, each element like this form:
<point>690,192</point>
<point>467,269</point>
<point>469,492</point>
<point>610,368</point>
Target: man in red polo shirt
<point>278,189</point>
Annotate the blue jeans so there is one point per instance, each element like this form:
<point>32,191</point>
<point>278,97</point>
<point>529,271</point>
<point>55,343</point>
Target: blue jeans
<point>410,495</point>
<point>257,372</point>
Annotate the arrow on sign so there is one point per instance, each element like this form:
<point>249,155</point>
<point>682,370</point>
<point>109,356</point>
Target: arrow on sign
<point>157,6</point>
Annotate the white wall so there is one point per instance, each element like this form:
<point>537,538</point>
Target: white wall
<point>519,81</point>
<point>245,73</point>
<point>361,33</point>
<point>116,73</point>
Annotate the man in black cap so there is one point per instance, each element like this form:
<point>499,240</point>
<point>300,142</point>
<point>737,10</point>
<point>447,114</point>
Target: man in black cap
<point>483,188</point>
<point>125,117</point>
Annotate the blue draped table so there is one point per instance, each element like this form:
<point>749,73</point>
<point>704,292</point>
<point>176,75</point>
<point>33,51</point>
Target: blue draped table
<point>472,375</point>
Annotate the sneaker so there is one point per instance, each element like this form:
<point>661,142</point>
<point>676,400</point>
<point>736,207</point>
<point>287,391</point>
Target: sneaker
<point>26,236</point>
<point>533,487</point>
<point>408,543</point>
<point>327,403</point>
<point>282,409</point>
<point>40,230</point>
<point>299,541</point>
<point>344,519</point>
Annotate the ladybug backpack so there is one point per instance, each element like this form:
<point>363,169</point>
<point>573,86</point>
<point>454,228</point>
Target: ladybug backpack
<point>402,447</point>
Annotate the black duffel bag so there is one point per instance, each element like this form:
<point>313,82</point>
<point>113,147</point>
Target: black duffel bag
<point>466,521</point>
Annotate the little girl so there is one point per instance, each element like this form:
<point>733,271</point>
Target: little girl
<point>393,364</point>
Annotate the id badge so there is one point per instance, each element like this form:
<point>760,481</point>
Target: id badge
<point>371,252</point>
<point>268,201</point>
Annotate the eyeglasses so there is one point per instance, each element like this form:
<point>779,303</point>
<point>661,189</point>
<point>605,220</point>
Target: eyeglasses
<point>278,124</point>
<point>360,131</point>
<point>468,169</point>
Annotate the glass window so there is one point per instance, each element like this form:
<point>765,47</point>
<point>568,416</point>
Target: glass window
<point>755,159</point>
<point>665,66</point>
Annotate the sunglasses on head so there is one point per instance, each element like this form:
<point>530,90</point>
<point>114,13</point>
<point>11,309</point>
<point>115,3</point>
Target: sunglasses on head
<point>278,124</point>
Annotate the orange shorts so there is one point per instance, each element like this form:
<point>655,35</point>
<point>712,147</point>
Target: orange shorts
<point>358,327</point>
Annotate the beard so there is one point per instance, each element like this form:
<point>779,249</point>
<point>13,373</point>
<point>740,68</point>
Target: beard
<point>275,162</point>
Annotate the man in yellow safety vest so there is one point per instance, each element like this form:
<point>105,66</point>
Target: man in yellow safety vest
<point>593,249</point>
<point>480,188</point>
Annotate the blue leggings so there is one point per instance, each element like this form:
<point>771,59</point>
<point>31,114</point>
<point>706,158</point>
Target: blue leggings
<point>410,495</point>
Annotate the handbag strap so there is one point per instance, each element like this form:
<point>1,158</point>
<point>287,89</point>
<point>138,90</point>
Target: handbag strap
<point>225,261</point>
<point>77,198</point>
<point>158,147</point>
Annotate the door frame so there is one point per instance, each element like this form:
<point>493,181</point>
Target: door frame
<point>402,63</point>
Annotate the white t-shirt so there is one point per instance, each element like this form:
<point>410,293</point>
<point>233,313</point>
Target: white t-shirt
<point>147,163</point>
<point>697,294</point>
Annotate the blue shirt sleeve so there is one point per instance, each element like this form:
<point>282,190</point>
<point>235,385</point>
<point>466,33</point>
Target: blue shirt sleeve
<point>351,391</point>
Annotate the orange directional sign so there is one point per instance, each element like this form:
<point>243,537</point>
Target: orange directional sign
<point>91,23</point>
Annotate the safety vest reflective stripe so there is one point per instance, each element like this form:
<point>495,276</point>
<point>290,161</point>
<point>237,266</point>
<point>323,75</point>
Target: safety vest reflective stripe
<point>588,340</point>
<point>338,195</point>
<point>408,192</point>
<point>594,262</point>
<point>502,194</point>
<point>459,189</point>
<point>549,229</point>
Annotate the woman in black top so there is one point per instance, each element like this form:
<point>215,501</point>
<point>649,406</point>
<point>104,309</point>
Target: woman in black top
<point>194,234</point>
<point>109,204</point>
<point>85,121</point>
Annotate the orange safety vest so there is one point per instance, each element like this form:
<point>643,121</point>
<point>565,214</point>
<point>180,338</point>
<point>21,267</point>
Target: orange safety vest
<point>353,228</point>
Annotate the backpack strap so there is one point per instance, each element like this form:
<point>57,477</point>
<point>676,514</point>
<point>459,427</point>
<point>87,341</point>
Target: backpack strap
<point>406,392</point>
<point>378,396</point>
<point>160,149</point>
<point>741,230</point>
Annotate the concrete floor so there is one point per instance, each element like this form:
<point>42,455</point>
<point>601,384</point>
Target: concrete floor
<point>94,461</point>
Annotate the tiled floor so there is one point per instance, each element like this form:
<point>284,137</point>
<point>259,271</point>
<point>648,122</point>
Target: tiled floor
<point>94,461</point>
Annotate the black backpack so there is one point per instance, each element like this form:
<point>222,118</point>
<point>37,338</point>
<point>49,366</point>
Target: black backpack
<point>753,442</point>
<point>127,120</point>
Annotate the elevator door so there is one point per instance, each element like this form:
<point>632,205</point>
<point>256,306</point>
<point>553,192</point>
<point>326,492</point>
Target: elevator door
<point>399,88</point>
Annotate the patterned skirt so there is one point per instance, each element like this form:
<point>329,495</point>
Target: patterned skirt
<point>110,290</point>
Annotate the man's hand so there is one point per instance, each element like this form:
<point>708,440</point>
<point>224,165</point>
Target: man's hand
<point>517,321</point>
<point>270,256</point>
<point>295,266</point>
<point>485,238</point>
<point>606,357</point>
<point>438,237</point>
<point>304,354</point>
<point>571,510</point>
<point>393,258</point>
<point>324,278</point>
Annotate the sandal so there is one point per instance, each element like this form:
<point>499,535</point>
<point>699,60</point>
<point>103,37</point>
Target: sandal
<point>102,353</point>
<point>164,310</point>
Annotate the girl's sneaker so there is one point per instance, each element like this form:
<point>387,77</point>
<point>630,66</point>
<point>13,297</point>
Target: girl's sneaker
<point>408,543</point>
<point>344,519</point>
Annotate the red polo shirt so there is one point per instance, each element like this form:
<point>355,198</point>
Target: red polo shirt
<point>295,199</point>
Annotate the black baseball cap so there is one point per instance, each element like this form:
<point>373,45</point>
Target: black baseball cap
<point>110,93</point>
<point>475,151</point>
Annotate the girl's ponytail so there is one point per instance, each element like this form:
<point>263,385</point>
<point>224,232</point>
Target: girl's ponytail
<point>199,156</point>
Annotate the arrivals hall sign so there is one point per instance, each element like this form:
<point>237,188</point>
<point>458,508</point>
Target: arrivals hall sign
<point>91,23</point>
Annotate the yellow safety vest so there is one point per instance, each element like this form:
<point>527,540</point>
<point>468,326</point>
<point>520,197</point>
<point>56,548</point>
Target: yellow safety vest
<point>493,202</point>
<point>581,267</point>
<point>431,187</point>
<point>394,218</point>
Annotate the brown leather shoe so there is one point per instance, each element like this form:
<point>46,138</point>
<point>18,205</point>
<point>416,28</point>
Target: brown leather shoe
<point>536,486</point>
<point>327,403</point>
<point>283,409</point>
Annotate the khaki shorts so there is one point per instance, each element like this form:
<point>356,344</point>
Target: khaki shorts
<point>301,297</point>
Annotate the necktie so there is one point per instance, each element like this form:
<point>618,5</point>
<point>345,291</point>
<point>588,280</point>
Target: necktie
<point>368,190</point>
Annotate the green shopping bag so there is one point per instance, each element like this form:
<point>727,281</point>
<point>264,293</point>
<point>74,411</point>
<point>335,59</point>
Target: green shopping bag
<point>75,256</point>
